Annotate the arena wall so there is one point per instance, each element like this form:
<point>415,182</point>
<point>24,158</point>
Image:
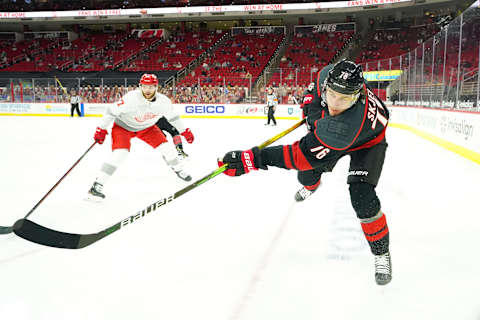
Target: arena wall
<point>457,131</point>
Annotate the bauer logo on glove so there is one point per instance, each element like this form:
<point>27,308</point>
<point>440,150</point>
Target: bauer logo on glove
<point>241,162</point>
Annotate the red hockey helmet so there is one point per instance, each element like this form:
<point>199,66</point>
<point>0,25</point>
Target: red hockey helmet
<point>149,78</point>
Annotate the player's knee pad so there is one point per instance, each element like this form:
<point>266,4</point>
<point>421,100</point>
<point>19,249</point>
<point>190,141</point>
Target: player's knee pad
<point>118,157</point>
<point>309,178</point>
<point>364,200</point>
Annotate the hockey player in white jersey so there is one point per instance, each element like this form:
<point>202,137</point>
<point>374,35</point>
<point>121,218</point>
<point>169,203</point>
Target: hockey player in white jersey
<point>135,115</point>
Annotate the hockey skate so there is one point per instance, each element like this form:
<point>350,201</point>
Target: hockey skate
<point>303,194</point>
<point>95,192</point>
<point>383,269</point>
<point>183,175</point>
<point>181,153</point>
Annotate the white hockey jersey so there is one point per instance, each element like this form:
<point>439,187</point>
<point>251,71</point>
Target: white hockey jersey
<point>135,113</point>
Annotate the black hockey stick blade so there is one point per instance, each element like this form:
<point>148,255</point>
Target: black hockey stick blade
<point>34,232</point>
<point>7,230</point>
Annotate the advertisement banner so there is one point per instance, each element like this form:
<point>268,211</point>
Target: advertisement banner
<point>95,109</point>
<point>245,111</point>
<point>200,9</point>
<point>258,30</point>
<point>385,75</point>
<point>35,109</point>
<point>149,33</point>
<point>50,35</point>
<point>460,128</point>
<point>14,108</point>
<point>329,27</point>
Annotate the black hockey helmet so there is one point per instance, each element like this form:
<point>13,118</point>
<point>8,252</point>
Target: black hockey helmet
<point>345,77</point>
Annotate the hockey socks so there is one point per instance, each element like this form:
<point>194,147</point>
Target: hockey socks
<point>171,158</point>
<point>108,168</point>
<point>376,233</point>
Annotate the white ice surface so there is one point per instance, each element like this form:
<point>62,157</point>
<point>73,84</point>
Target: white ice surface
<point>233,248</point>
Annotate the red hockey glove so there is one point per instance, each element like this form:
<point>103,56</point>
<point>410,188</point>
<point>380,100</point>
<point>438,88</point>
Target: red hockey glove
<point>188,135</point>
<point>241,162</point>
<point>100,135</point>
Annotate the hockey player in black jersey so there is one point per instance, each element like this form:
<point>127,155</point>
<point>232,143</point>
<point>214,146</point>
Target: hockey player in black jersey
<point>307,98</point>
<point>164,125</point>
<point>344,117</point>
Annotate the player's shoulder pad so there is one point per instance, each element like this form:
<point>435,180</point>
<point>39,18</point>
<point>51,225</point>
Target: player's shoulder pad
<point>163,99</point>
<point>341,132</point>
<point>133,93</point>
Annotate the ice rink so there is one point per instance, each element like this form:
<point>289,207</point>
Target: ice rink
<point>233,248</point>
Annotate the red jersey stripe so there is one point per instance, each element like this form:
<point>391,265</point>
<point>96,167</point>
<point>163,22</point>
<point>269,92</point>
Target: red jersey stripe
<point>299,159</point>
<point>286,157</point>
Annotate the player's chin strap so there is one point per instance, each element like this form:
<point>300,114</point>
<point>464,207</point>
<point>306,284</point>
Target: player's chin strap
<point>34,232</point>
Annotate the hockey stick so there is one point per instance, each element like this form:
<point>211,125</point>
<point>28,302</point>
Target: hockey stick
<point>7,230</point>
<point>34,232</point>
<point>64,90</point>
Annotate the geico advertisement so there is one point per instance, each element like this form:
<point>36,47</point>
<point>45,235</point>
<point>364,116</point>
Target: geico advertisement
<point>461,128</point>
<point>246,111</point>
<point>236,111</point>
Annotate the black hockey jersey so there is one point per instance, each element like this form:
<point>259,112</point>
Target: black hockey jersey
<point>361,126</point>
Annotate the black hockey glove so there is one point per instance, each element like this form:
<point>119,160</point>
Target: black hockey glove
<point>241,162</point>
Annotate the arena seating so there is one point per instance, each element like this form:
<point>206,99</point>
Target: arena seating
<point>79,55</point>
<point>175,53</point>
<point>306,55</point>
<point>238,61</point>
<point>20,56</point>
<point>387,43</point>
